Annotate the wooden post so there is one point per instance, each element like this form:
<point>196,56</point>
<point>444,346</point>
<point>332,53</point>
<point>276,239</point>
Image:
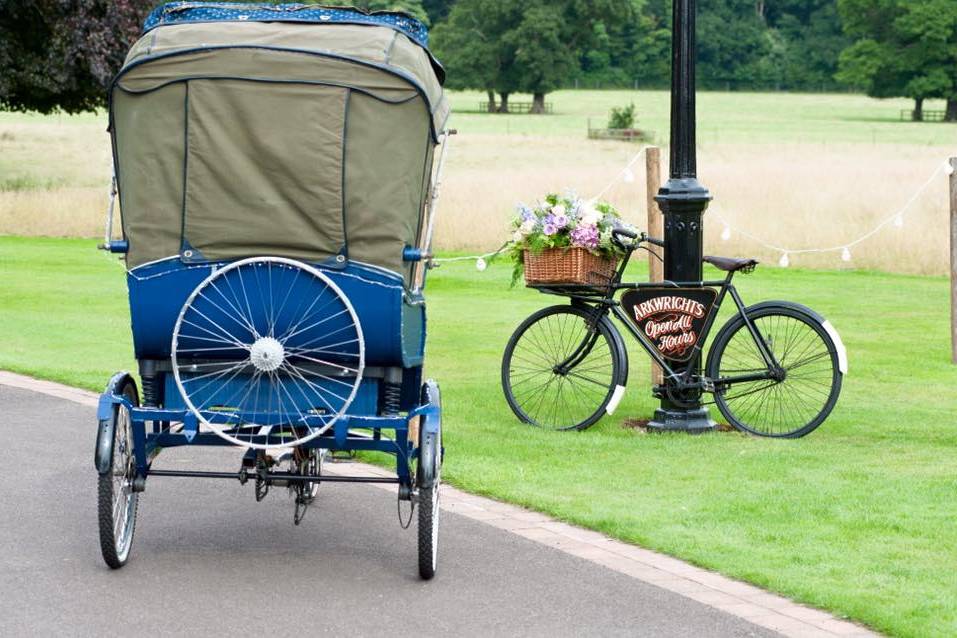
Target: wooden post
<point>655,228</point>
<point>953,259</point>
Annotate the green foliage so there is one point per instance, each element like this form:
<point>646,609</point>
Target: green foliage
<point>533,47</point>
<point>437,10</point>
<point>413,7</point>
<point>61,55</point>
<point>905,48</point>
<point>742,44</point>
<point>622,117</point>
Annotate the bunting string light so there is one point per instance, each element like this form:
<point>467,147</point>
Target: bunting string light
<point>895,219</point>
<point>627,175</point>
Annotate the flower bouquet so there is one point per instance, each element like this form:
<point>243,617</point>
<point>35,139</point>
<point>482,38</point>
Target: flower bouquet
<point>564,239</point>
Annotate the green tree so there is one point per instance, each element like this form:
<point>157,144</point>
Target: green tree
<point>504,46</point>
<point>905,48</point>
<point>61,54</point>
<point>807,37</point>
<point>471,45</point>
<point>437,10</point>
<point>732,39</point>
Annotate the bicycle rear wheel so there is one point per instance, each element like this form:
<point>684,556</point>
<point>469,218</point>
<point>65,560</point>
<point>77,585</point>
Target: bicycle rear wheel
<point>786,407</point>
<point>561,371</point>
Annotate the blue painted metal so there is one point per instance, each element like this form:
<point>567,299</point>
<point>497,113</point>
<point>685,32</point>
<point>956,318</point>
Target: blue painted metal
<point>106,420</point>
<point>118,246</point>
<point>394,328</point>
<point>412,254</point>
<point>190,426</point>
<point>342,437</point>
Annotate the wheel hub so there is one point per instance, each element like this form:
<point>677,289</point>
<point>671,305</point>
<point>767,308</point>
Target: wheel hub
<point>267,354</point>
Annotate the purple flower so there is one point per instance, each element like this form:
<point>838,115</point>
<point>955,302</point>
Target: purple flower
<point>585,236</point>
<point>549,229</point>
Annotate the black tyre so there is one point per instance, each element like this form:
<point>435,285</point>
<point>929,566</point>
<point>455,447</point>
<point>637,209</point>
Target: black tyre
<point>560,370</point>
<point>116,500</point>
<point>428,508</point>
<point>807,387</point>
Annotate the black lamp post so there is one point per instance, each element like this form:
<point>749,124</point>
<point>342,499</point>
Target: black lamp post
<point>683,201</point>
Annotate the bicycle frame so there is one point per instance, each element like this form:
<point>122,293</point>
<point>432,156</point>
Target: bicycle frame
<point>588,296</point>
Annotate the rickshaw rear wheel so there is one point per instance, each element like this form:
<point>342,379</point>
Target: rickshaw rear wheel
<point>428,479</point>
<point>116,499</point>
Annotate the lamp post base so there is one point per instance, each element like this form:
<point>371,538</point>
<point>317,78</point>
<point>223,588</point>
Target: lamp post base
<point>695,421</point>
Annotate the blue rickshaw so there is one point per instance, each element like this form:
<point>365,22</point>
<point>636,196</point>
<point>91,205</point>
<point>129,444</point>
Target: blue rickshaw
<point>274,168</point>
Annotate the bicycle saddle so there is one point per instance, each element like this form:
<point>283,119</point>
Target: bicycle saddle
<point>731,264</point>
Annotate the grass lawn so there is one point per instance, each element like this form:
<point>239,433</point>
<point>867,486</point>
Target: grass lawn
<point>723,117</point>
<point>858,518</point>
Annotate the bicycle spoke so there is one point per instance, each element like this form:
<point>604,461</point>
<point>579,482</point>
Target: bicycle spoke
<point>787,405</point>
<point>549,396</point>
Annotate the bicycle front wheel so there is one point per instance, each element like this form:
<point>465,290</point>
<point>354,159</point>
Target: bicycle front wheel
<point>796,400</point>
<point>561,370</point>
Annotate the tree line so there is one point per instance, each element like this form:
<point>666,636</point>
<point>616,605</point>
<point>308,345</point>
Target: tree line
<point>61,53</point>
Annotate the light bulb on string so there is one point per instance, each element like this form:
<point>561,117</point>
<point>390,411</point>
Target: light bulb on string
<point>784,262</point>
<point>846,254</point>
<point>480,264</point>
<point>726,233</point>
<point>898,221</point>
<point>628,176</point>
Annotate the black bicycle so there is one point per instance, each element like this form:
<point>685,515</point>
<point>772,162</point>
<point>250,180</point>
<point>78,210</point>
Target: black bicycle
<point>774,369</point>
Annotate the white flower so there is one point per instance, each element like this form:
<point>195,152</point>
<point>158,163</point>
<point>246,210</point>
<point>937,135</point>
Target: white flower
<point>518,236</point>
<point>558,210</point>
<point>527,227</point>
<point>590,214</point>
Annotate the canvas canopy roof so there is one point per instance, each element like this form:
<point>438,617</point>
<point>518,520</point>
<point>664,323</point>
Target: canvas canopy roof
<point>307,138</point>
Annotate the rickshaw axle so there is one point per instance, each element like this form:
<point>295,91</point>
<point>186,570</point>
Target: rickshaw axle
<point>274,476</point>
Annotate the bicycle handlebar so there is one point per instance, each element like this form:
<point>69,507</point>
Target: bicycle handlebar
<point>652,241</point>
<point>641,237</point>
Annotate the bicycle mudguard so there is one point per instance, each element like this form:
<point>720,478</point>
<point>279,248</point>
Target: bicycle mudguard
<point>824,323</point>
<point>106,421</point>
<point>623,358</point>
<point>430,434</point>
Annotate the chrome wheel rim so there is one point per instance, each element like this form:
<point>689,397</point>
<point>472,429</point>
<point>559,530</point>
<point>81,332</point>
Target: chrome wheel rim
<point>268,352</point>
<point>124,498</point>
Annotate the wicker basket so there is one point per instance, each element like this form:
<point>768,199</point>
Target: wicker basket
<point>567,266</point>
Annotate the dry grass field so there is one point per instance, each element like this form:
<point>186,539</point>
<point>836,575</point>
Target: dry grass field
<point>797,171</point>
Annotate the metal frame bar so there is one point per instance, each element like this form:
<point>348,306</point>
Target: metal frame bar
<point>344,435</point>
<point>593,296</point>
<point>273,476</point>
<point>425,245</point>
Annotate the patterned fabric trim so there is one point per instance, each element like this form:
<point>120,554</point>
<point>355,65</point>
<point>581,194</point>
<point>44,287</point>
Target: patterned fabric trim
<point>180,12</point>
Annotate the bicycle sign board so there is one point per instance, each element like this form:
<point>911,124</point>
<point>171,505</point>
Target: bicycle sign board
<point>672,319</point>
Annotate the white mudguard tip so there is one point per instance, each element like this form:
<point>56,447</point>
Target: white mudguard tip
<point>615,399</point>
<point>841,350</point>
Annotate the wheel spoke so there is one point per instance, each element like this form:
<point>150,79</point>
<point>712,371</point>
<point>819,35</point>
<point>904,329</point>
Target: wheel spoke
<point>792,404</point>
<point>248,386</point>
<point>567,398</point>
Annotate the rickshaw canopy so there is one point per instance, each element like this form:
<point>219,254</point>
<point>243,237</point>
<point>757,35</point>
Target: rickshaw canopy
<point>290,130</point>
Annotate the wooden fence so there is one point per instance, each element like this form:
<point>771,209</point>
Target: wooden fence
<point>513,107</point>
<point>621,134</point>
<point>907,115</point>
